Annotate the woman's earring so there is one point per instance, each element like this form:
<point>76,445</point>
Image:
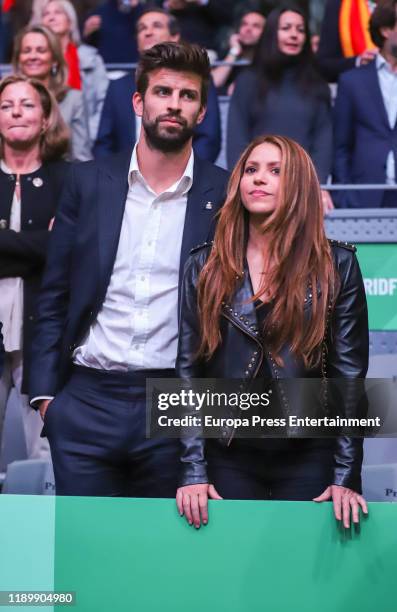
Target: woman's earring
<point>54,69</point>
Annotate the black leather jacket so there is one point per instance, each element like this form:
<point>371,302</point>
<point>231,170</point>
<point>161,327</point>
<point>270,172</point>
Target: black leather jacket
<point>241,353</point>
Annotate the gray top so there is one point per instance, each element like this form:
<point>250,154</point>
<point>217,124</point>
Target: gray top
<point>286,111</point>
<point>95,83</point>
<point>74,113</point>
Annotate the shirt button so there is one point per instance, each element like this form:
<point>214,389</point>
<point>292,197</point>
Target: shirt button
<point>136,347</point>
<point>143,278</point>
<point>150,243</point>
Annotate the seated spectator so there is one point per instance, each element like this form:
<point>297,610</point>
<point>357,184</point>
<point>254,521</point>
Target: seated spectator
<point>86,69</point>
<point>365,118</point>
<point>20,12</point>
<point>283,94</point>
<point>345,41</point>
<point>111,29</point>
<point>119,127</point>
<point>200,20</point>
<point>242,45</point>
<point>38,54</point>
<point>33,140</point>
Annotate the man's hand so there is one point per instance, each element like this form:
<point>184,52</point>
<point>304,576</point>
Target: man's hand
<point>192,501</point>
<point>344,500</point>
<point>235,47</point>
<point>92,24</point>
<point>43,407</point>
<point>328,204</point>
<point>367,57</point>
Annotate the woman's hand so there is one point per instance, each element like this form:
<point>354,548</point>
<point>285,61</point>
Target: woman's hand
<point>344,500</point>
<point>192,501</point>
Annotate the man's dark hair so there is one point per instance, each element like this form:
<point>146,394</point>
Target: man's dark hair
<point>181,57</point>
<point>384,16</point>
<point>173,23</point>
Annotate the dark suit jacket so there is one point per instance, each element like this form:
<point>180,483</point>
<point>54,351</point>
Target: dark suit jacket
<point>363,137</point>
<point>116,39</point>
<point>1,352</point>
<point>23,254</point>
<point>331,60</point>
<point>82,252</point>
<point>201,24</point>
<point>117,125</point>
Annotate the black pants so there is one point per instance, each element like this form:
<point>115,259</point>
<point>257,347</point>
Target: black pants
<point>298,469</point>
<point>96,427</point>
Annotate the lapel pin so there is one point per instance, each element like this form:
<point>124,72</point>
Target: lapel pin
<point>208,206</point>
<point>3,224</point>
<point>37,182</point>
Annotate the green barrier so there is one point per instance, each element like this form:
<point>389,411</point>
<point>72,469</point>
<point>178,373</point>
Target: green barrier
<point>379,268</point>
<point>122,555</point>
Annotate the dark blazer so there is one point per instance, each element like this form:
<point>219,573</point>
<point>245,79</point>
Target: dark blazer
<point>201,24</point>
<point>1,352</point>
<point>330,58</point>
<point>345,355</point>
<point>362,136</point>
<point>23,254</point>
<point>117,125</point>
<point>82,252</point>
<point>116,38</point>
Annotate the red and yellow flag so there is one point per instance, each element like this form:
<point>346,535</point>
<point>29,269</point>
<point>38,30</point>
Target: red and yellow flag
<point>7,5</point>
<point>353,27</point>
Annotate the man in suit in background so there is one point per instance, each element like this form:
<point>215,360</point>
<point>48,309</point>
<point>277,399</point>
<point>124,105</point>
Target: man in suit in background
<point>108,310</point>
<point>365,118</point>
<point>344,41</point>
<point>119,128</point>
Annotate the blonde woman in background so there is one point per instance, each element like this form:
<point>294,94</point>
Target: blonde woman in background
<point>38,54</point>
<point>33,142</point>
<point>86,70</point>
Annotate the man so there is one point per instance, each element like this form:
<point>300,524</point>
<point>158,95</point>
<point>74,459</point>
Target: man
<point>107,316</point>
<point>365,118</point>
<point>344,40</point>
<point>201,19</point>
<point>242,47</point>
<point>111,27</point>
<point>119,129</point>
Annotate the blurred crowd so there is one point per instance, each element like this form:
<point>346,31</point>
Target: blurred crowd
<point>69,99</point>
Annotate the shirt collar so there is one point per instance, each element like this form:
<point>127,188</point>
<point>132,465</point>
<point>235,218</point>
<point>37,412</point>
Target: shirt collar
<point>182,185</point>
<point>382,63</point>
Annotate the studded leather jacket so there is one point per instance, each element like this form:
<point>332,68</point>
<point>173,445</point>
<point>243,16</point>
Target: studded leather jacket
<point>242,351</point>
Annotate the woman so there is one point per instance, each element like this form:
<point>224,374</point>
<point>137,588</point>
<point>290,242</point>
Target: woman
<point>283,94</point>
<point>86,69</point>
<point>33,140</point>
<point>38,54</point>
<point>248,310</point>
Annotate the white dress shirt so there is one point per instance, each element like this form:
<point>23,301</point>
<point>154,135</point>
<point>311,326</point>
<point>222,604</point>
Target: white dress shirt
<point>11,289</point>
<point>137,326</point>
<point>388,87</point>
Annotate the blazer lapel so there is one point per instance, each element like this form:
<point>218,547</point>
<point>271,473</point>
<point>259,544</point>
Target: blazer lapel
<point>377,97</point>
<point>200,214</point>
<point>112,194</point>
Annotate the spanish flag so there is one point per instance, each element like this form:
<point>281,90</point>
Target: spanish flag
<point>7,5</point>
<point>353,27</point>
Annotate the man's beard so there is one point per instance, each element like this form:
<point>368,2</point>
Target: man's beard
<point>170,139</point>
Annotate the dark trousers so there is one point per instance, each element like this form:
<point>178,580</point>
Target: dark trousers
<point>96,426</point>
<point>297,470</point>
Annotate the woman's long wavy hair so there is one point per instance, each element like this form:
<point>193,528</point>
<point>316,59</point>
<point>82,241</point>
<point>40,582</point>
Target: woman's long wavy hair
<point>270,63</point>
<point>58,75</point>
<point>55,139</point>
<point>301,258</point>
